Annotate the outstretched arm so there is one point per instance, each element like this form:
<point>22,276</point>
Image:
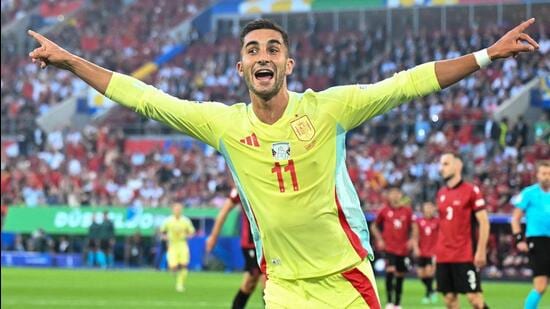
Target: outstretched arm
<point>199,120</point>
<point>451,71</point>
<point>358,103</point>
<point>50,53</point>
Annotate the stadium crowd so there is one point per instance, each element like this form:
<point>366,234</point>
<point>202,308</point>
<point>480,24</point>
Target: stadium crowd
<point>92,167</point>
<point>401,147</point>
<point>119,37</point>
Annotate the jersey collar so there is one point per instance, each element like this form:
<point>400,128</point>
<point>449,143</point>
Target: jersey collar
<point>455,186</point>
<point>292,98</point>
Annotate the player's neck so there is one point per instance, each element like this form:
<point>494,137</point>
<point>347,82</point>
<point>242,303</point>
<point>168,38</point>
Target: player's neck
<point>453,182</point>
<point>269,111</point>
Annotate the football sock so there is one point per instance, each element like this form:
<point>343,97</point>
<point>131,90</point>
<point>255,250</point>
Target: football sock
<point>425,282</point>
<point>90,259</point>
<point>532,300</point>
<point>240,300</point>
<point>428,281</point>
<point>182,275</point>
<point>398,290</point>
<point>389,286</point>
<point>101,259</point>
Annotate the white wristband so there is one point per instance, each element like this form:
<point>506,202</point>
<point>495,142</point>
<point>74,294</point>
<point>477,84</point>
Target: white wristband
<point>482,58</point>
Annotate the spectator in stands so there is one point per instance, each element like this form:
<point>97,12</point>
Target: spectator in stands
<point>40,242</point>
<point>504,127</point>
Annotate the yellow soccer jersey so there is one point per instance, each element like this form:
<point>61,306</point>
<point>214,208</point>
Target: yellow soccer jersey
<point>304,213</point>
<point>177,230</point>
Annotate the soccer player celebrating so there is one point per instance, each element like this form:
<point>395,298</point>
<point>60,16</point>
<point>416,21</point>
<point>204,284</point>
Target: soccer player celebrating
<point>177,229</point>
<point>396,222</point>
<point>457,264</point>
<point>252,271</point>
<point>425,230</point>
<point>534,202</point>
<point>286,152</point>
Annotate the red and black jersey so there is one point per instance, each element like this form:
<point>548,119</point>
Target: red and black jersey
<point>396,224</point>
<point>428,229</point>
<point>247,241</point>
<point>456,207</point>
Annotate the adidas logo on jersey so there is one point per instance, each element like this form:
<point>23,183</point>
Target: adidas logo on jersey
<point>251,140</point>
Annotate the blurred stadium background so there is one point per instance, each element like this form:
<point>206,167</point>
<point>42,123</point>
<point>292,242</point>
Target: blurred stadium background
<point>67,152</point>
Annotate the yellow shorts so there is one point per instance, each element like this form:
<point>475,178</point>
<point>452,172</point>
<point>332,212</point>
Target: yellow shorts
<point>353,288</point>
<point>178,255</point>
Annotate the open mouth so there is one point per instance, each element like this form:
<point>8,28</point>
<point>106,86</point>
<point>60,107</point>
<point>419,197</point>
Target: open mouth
<point>264,74</point>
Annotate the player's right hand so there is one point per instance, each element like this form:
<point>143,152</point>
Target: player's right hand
<point>514,42</point>
<point>48,53</point>
<point>522,246</point>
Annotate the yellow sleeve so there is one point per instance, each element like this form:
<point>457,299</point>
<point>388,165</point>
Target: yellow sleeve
<point>352,105</point>
<point>199,120</point>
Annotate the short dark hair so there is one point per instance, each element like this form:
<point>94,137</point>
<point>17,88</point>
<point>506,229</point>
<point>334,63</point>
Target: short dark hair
<point>542,163</point>
<point>393,187</point>
<point>263,23</point>
<point>454,154</point>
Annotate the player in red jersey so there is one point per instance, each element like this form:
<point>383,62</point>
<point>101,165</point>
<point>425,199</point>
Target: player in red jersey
<point>395,220</point>
<point>457,264</point>
<point>252,271</point>
<point>425,230</point>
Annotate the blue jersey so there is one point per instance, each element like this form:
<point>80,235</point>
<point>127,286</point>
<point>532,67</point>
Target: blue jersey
<point>535,203</point>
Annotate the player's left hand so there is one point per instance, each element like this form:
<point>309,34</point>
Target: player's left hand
<point>514,42</point>
<point>480,259</point>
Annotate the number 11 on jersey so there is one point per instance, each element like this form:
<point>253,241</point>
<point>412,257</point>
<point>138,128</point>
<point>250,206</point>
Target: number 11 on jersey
<point>289,168</point>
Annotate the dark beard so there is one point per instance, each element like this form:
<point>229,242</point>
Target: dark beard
<point>448,178</point>
<point>266,96</point>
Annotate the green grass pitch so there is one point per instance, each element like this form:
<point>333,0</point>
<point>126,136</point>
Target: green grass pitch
<point>57,288</point>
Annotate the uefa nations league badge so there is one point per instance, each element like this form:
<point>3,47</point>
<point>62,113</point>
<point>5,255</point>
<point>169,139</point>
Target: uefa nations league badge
<point>281,150</point>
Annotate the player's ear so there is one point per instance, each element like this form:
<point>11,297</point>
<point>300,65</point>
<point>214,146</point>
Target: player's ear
<point>459,164</point>
<point>289,66</point>
<point>240,68</point>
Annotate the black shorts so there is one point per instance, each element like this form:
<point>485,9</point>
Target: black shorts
<point>105,245</point>
<point>92,244</point>
<point>401,263</point>
<point>423,261</point>
<point>457,278</point>
<point>539,258</point>
<point>250,261</point>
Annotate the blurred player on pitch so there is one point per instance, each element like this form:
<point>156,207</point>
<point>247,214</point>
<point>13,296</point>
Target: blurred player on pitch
<point>425,230</point>
<point>395,219</point>
<point>534,203</point>
<point>177,229</point>
<point>252,271</point>
<point>457,262</point>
